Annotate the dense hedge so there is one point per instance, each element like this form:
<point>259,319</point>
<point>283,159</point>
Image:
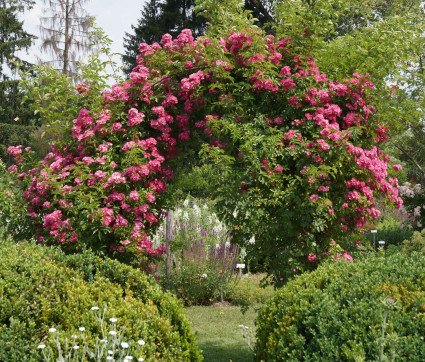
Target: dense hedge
<point>42,288</point>
<point>336,312</point>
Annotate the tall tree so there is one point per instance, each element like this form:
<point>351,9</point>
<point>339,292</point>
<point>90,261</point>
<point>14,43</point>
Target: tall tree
<point>12,34</point>
<point>64,32</point>
<point>16,120</point>
<point>160,17</point>
<point>172,16</point>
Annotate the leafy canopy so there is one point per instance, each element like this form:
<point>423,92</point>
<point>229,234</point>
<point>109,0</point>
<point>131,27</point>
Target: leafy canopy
<point>296,155</point>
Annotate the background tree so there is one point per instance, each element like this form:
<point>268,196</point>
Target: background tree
<point>16,120</point>
<point>64,32</point>
<point>172,16</point>
<point>381,37</point>
<point>160,17</point>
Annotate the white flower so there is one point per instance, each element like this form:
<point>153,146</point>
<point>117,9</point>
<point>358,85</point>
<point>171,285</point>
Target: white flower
<point>185,217</point>
<point>186,203</point>
<point>204,275</point>
<point>81,329</point>
<point>113,320</point>
<point>94,308</point>
<point>227,244</point>
<point>128,358</point>
<point>112,333</point>
<point>243,253</point>
<point>109,358</point>
<point>76,347</point>
<point>141,359</point>
<point>197,211</point>
<point>52,330</point>
<point>141,342</point>
<point>74,336</point>
<point>110,352</point>
<point>241,326</point>
<point>252,240</point>
<point>205,207</point>
<point>217,228</point>
<point>41,346</point>
<point>124,344</point>
<point>103,341</point>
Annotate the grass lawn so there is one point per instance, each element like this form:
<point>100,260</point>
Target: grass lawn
<point>218,332</point>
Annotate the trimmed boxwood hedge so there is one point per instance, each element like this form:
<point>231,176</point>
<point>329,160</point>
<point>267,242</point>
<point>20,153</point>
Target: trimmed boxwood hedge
<point>42,287</point>
<point>336,312</point>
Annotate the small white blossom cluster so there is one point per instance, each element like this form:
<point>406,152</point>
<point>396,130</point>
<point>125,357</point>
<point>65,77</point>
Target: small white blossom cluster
<point>249,336</point>
<point>407,191</point>
<point>111,347</point>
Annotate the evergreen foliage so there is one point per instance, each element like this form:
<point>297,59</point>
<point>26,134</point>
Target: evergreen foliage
<point>172,16</point>
<point>363,311</point>
<point>12,34</point>
<point>43,288</point>
<point>16,120</point>
<point>160,17</point>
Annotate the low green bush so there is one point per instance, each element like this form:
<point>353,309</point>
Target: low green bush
<point>41,288</point>
<point>416,243</point>
<point>197,284</point>
<point>248,291</point>
<point>348,311</point>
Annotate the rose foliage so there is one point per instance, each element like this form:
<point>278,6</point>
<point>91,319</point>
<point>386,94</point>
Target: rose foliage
<point>296,155</point>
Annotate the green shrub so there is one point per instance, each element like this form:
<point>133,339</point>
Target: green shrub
<point>248,291</point>
<point>416,243</point>
<point>336,312</point>
<point>42,288</point>
<point>197,284</point>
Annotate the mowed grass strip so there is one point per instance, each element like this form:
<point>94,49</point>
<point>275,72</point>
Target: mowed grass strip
<point>218,332</point>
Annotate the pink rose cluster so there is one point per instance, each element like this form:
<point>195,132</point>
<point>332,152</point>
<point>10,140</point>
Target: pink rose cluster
<point>83,88</point>
<point>118,162</point>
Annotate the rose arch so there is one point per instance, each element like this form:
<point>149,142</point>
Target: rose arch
<point>296,154</point>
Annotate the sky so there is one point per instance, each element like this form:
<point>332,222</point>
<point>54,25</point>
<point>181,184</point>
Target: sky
<point>115,17</point>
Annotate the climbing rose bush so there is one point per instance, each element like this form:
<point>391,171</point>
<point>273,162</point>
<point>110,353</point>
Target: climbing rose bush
<point>297,155</point>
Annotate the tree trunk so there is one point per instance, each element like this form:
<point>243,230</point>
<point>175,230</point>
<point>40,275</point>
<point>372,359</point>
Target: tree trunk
<point>66,47</point>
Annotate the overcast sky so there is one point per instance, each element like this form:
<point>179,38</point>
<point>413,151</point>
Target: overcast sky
<point>115,17</point>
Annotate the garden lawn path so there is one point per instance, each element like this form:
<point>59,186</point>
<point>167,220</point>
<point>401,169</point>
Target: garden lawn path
<point>218,332</point>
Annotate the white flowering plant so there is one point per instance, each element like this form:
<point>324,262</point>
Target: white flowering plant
<point>193,220</point>
<point>109,346</point>
<point>202,267</point>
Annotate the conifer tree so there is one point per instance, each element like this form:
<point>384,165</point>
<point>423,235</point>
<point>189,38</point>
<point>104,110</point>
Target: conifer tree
<point>160,17</point>
<point>16,120</point>
<point>172,16</point>
<point>12,34</point>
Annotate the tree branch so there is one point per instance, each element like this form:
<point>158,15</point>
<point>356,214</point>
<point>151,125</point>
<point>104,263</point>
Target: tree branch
<point>408,155</point>
<point>258,4</point>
